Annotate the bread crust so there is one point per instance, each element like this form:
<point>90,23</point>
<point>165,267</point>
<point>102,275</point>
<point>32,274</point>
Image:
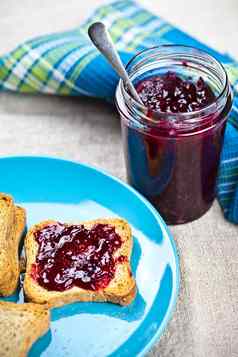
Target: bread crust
<point>121,290</point>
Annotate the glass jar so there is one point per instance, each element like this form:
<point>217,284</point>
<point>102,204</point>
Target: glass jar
<point>173,158</point>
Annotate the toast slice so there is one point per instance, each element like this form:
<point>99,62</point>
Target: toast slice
<point>12,224</point>
<point>7,221</point>
<point>120,290</point>
<point>20,326</point>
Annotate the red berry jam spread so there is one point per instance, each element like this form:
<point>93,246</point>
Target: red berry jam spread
<point>170,93</point>
<point>74,255</point>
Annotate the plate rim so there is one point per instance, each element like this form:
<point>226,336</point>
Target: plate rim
<point>171,309</point>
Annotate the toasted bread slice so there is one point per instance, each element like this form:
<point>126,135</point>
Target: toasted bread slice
<point>20,326</point>
<point>7,221</point>
<point>14,224</point>
<point>121,289</point>
<point>20,223</point>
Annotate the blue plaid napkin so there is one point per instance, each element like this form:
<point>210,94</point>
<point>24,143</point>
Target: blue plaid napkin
<point>67,64</point>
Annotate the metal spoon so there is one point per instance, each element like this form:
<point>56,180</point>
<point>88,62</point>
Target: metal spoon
<point>101,38</point>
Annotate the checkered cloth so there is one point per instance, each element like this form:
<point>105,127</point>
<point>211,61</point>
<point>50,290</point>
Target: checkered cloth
<point>68,64</point>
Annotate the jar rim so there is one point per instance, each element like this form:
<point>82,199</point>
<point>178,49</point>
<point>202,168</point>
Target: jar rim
<point>187,117</point>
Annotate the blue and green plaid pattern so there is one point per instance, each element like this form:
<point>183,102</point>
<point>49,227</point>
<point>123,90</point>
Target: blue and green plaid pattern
<point>67,64</point>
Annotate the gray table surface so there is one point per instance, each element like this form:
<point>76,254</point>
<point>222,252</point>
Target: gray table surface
<point>206,319</point>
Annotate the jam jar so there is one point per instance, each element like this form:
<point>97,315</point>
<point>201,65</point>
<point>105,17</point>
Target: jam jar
<point>173,142</point>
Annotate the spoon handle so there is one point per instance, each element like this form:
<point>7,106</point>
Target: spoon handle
<point>102,40</point>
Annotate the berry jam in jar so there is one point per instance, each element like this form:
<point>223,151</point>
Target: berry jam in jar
<point>173,143</point>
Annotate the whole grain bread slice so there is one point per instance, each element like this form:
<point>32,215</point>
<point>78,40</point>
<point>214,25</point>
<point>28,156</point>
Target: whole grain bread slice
<point>12,224</point>
<point>7,223</point>
<point>20,326</point>
<point>121,289</point>
<point>20,222</point>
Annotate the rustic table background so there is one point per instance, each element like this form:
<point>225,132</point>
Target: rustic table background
<point>206,319</point>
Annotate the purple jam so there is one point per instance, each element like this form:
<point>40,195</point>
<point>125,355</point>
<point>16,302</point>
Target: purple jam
<point>172,94</point>
<point>73,255</point>
<point>174,168</point>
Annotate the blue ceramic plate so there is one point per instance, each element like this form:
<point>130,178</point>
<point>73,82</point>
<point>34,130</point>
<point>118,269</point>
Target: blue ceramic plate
<point>69,191</point>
